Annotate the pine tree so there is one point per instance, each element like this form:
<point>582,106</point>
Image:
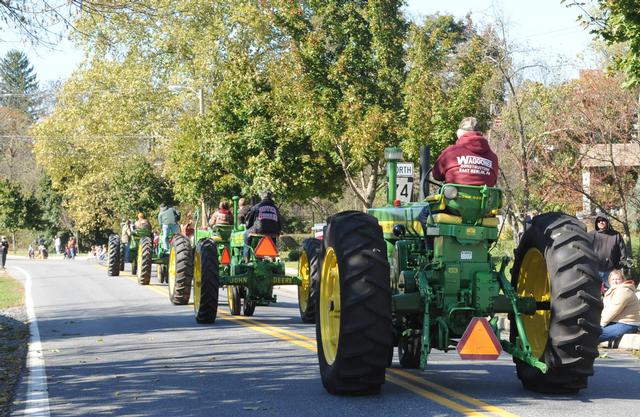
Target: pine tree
<point>18,84</point>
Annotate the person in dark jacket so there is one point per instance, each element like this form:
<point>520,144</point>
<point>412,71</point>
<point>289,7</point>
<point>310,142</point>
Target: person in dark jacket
<point>609,247</point>
<point>262,219</point>
<point>4,247</point>
<point>470,160</point>
<point>243,210</point>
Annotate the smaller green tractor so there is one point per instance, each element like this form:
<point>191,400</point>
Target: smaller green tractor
<point>218,261</point>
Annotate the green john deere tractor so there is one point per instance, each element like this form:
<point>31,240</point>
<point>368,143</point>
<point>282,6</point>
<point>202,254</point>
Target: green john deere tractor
<point>419,275</point>
<point>218,261</point>
<point>174,265</point>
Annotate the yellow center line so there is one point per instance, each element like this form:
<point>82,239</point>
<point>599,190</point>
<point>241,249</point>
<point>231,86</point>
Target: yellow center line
<point>398,377</point>
<point>434,397</point>
<point>462,397</point>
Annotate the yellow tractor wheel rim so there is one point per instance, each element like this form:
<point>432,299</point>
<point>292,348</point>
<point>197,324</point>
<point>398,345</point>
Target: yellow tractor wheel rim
<point>172,270</point>
<point>303,289</point>
<point>230,298</point>
<point>533,281</point>
<point>330,306</point>
<point>139,271</point>
<point>197,281</point>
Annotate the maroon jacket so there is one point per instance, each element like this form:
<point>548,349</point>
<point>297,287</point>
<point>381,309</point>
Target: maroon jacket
<point>469,161</point>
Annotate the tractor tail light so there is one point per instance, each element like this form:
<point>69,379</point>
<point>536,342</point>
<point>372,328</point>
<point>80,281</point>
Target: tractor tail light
<point>266,248</point>
<point>225,258</point>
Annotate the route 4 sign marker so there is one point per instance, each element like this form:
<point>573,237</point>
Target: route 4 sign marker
<point>404,181</point>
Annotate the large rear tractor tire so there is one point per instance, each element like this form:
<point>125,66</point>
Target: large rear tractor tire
<point>353,315</point>
<point>113,256</point>
<point>555,264</point>
<point>233,299</point>
<point>144,261</point>
<point>180,270</point>
<point>309,272</point>
<point>206,281</point>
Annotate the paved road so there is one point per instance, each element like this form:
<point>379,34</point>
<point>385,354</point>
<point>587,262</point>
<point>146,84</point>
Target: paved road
<point>113,348</point>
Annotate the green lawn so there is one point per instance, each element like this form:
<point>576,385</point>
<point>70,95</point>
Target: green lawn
<point>11,292</point>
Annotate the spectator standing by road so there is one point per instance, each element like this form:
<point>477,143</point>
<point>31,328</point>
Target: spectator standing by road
<point>4,247</point>
<point>621,312</point>
<point>243,210</point>
<point>57,243</point>
<point>168,218</point>
<point>125,238</point>
<point>609,247</point>
<point>71,244</point>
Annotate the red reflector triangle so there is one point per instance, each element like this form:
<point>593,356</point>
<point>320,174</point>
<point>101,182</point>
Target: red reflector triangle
<point>225,259</point>
<point>266,247</point>
<point>479,342</point>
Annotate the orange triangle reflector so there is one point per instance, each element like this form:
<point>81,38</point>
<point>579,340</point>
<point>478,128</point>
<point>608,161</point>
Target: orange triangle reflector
<point>479,342</point>
<point>266,247</point>
<point>225,259</point>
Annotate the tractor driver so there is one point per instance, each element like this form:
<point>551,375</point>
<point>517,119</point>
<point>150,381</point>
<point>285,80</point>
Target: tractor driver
<point>168,218</point>
<point>470,160</point>
<point>262,219</point>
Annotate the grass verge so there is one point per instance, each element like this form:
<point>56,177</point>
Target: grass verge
<point>14,338</point>
<point>11,292</point>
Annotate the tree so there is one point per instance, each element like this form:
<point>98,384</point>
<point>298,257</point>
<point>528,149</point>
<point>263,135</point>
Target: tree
<point>13,209</point>
<point>18,84</point>
<point>349,60</point>
<point>34,19</point>
<point>596,111</point>
<point>617,22</point>
<point>452,74</point>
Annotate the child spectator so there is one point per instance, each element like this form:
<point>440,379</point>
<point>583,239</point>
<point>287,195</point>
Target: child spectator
<point>621,313</point>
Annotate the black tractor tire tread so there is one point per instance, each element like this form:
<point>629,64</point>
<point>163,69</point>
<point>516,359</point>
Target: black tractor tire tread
<point>313,248</point>
<point>575,309</point>
<point>144,268</point>
<point>113,256</point>
<point>184,270</point>
<point>365,338</point>
<point>248,307</point>
<point>210,280</point>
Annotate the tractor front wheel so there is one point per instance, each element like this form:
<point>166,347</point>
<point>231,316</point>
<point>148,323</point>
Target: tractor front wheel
<point>309,272</point>
<point>409,349</point>
<point>248,307</point>
<point>233,299</point>
<point>353,318</point>
<point>206,282</point>
<point>113,254</point>
<point>555,264</point>
<point>144,261</point>
<point>180,270</point>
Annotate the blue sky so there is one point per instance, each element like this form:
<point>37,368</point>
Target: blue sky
<point>546,26</point>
